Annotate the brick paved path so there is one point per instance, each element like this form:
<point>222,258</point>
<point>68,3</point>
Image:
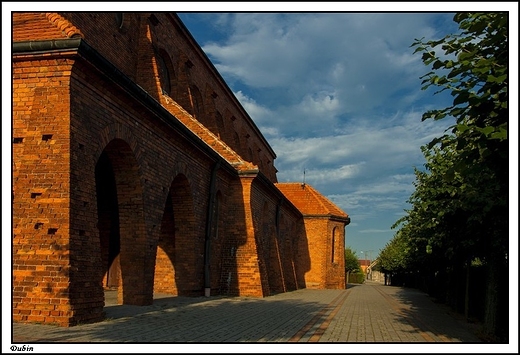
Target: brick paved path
<point>369,313</point>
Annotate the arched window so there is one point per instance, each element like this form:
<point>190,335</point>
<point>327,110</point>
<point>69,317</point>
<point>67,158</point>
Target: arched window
<point>164,75</point>
<point>236,141</point>
<point>333,259</point>
<point>196,102</point>
<point>221,129</point>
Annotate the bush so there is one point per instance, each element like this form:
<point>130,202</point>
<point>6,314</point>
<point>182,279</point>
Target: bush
<point>356,278</point>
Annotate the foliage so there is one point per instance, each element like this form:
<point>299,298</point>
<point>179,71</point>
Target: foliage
<point>476,62</point>
<point>357,278</point>
<point>465,193</point>
<point>459,210</point>
<point>351,261</point>
<point>393,258</point>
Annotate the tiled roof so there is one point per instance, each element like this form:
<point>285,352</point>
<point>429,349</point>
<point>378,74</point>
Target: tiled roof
<point>30,26</point>
<point>308,200</point>
<point>208,137</point>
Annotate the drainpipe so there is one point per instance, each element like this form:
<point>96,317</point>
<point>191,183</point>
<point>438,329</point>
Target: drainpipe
<point>209,224</point>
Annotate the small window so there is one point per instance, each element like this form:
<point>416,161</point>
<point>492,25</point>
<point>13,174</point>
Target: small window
<point>333,245</point>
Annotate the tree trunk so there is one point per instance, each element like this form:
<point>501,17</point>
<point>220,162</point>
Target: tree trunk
<point>495,313</point>
<point>466,294</point>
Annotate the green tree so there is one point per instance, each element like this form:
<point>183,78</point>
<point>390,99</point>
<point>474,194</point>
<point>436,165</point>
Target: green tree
<point>460,206</point>
<point>351,262</point>
<point>393,259</point>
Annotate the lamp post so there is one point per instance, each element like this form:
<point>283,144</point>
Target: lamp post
<point>364,263</point>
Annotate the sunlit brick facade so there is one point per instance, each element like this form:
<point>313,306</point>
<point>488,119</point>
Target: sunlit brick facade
<point>135,168</point>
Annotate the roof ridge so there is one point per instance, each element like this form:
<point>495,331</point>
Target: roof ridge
<point>316,196</point>
<point>239,162</point>
<point>64,25</point>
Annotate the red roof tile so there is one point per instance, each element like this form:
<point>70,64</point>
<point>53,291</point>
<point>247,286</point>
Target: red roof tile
<point>308,200</point>
<point>32,26</point>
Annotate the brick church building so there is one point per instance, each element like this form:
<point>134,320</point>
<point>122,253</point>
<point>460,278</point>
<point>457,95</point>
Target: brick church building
<point>136,168</point>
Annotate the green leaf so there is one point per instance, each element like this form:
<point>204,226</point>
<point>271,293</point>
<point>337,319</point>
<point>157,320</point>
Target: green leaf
<point>500,135</point>
<point>500,79</point>
<point>461,128</point>
<point>450,175</point>
<point>486,130</point>
<point>438,64</point>
<point>461,98</point>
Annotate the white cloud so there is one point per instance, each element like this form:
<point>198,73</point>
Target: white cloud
<point>337,95</point>
<point>363,64</point>
<point>371,231</point>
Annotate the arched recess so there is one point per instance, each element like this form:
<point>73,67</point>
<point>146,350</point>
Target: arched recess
<point>121,222</point>
<point>166,73</point>
<point>333,245</point>
<point>196,108</point>
<point>209,119</point>
<point>178,267</point>
<point>337,251</point>
<point>286,255</point>
<point>272,254</point>
<point>221,127</point>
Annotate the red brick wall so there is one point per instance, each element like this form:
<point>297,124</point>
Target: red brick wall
<point>335,278</point>
<point>109,191</point>
<point>41,183</point>
<point>326,272</point>
<point>191,77</point>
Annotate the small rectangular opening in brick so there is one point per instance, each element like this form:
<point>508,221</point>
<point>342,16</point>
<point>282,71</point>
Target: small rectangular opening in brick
<point>35,194</point>
<point>38,225</point>
<point>153,20</point>
<point>46,137</point>
<point>52,231</point>
<point>17,140</point>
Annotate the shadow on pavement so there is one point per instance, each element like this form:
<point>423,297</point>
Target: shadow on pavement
<point>419,310</point>
<point>193,320</point>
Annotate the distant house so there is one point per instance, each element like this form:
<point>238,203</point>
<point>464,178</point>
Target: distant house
<point>367,266</point>
<point>364,264</point>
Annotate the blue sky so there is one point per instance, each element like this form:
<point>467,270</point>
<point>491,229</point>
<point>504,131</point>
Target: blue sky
<point>337,95</point>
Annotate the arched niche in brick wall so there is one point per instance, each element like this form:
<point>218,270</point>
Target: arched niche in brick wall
<point>166,72</point>
<point>221,127</point>
<point>121,224</point>
<point>178,270</point>
<point>334,241</point>
<point>196,108</point>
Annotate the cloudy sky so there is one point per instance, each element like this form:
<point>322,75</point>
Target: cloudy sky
<point>334,88</point>
<point>337,95</point>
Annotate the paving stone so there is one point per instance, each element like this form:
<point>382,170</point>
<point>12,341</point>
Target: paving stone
<point>368,313</point>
